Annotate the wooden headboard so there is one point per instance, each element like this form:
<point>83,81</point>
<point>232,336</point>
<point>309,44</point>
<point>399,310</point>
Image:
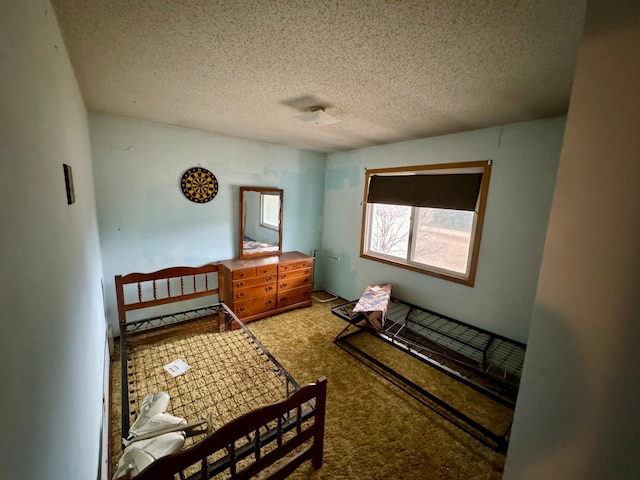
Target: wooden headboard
<point>175,284</point>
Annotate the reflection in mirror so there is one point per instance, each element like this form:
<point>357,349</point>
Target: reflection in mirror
<point>260,221</point>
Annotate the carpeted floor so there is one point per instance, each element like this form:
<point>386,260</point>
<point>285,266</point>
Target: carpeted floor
<point>374,430</point>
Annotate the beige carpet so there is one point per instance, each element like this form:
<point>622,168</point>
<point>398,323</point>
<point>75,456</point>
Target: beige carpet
<point>374,430</point>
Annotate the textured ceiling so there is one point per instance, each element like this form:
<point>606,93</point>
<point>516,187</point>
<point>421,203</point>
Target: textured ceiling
<point>390,70</point>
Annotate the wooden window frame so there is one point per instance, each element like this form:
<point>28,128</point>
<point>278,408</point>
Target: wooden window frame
<point>483,166</point>
<point>263,223</point>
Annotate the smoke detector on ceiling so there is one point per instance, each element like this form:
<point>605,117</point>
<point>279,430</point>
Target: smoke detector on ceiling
<point>318,117</point>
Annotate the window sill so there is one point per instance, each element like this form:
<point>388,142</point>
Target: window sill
<point>450,276</point>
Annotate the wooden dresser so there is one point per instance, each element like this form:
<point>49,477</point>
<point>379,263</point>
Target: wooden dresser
<point>259,287</point>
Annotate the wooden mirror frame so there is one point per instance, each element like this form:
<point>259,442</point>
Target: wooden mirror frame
<point>244,191</point>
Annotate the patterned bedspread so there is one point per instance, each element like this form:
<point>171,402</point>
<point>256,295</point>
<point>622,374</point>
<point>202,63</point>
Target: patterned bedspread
<point>373,305</point>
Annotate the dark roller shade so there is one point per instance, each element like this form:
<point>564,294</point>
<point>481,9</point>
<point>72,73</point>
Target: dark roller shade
<point>450,191</point>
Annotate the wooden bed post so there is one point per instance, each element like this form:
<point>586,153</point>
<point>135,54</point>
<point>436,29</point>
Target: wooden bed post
<point>318,438</point>
<point>122,314</point>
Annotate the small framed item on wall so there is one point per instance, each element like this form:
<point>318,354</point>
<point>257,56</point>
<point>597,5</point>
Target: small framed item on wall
<point>68,181</point>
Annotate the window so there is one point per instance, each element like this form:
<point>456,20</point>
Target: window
<point>426,218</point>
<point>270,210</point>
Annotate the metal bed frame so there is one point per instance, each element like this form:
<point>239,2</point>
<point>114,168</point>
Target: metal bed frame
<point>194,320</point>
<point>482,360</point>
<point>259,436</point>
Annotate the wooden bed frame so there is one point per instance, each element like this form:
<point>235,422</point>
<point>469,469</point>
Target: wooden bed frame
<point>294,423</point>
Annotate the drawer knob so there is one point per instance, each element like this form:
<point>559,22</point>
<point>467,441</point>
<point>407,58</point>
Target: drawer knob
<point>283,299</point>
<point>268,302</point>
<point>269,288</point>
<point>240,309</point>
<point>240,294</point>
<point>269,278</point>
<point>240,284</point>
<point>284,275</point>
<point>283,285</point>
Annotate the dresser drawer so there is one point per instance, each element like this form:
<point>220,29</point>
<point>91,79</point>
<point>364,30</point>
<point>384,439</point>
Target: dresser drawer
<point>267,270</point>
<point>244,273</point>
<point>293,282</point>
<point>286,267</point>
<point>296,295</point>
<point>253,306</point>
<point>249,292</point>
<point>294,273</point>
<point>305,263</point>
<point>250,282</point>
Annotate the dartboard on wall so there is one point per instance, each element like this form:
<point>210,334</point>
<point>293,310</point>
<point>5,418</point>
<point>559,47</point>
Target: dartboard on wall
<point>199,185</point>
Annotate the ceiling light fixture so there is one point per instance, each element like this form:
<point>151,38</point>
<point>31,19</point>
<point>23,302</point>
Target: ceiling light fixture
<point>317,117</point>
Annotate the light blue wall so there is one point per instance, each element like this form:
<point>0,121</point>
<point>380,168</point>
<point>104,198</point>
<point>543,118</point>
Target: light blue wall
<point>145,221</point>
<point>52,325</point>
<point>525,158</point>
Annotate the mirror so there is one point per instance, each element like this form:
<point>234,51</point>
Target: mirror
<point>260,221</point>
